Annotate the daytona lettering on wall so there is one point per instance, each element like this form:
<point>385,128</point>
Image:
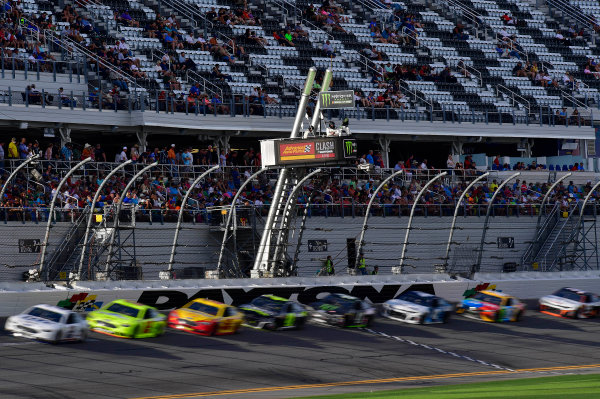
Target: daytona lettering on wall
<point>170,299</point>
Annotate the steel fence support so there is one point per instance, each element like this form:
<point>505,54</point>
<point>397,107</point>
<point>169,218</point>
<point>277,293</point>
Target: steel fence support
<point>487,216</point>
<point>52,202</point>
<point>180,215</point>
<point>410,218</point>
<point>366,218</point>
<point>456,208</point>
<point>118,211</point>
<point>14,173</point>
<point>230,213</point>
<point>91,216</point>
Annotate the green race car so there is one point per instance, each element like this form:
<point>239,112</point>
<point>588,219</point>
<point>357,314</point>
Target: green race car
<point>274,313</point>
<point>126,319</point>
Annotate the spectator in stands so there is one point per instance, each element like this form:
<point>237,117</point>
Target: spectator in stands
<point>217,74</point>
<point>371,53</point>
<point>122,156</point>
<point>459,32</point>
<point>328,49</point>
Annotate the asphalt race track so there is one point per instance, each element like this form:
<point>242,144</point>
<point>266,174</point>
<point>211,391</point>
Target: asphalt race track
<point>316,360</point>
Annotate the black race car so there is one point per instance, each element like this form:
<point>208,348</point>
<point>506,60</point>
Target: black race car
<point>343,311</point>
<point>274,313</point>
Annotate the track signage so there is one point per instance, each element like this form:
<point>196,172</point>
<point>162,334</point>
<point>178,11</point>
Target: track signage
<point>337,99</point>
<point>307,152</point>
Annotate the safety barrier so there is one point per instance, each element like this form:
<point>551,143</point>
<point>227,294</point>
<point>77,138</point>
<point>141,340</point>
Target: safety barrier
<point>168,294</point>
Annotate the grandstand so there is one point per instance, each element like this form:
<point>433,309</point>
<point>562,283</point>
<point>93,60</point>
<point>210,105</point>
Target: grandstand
<point>459,73</point>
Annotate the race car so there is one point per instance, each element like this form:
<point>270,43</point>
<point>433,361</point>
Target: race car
<point>417,307</point>
<point>206,317</point>
<point>126,319</point>
<point>48,323</point>
<point>343,311</point>
<point>494,306</point>
<point>274,313</point>
<point>571,302</point>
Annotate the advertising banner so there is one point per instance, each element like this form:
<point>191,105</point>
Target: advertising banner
<point>337,99</point>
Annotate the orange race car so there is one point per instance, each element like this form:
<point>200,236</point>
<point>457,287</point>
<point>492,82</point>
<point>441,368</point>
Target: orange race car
<point>206,317</point>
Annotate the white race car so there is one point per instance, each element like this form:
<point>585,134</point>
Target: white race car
<point>417,307</point>
<point>48,323</point>
<point>571,302</point>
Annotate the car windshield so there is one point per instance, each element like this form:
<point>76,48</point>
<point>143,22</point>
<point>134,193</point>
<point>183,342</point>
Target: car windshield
<point>268,303</point>
<point>567,294</point>
<point>123,309</point>
<point>415,298</point>
<point>480,296</point>
<point>204,308</point>
<point>45,314</point>
<point>339,301</point>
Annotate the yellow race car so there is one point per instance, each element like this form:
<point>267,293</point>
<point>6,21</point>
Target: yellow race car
<point>206,317</point>
<point>492,306</point>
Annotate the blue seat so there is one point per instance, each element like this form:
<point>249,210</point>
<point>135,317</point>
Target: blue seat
<point>558,168</point>
<point>565,169</point>
<point>551,167</point>
<point>570,167</point>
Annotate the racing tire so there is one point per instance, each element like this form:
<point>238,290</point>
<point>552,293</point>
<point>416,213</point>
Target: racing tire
<point>579,313</point>
<point>519,315</point>
<point>135,332</point>
<point>213,331</point>
<point>300,323</point>
<point>347,321</point>
<point>83,335</point>
<point>422,319</point>
<point>498,317</point>
<point>369,321</point>
<point>446,317</point>
<point>57,338</point>
<point>160,330</point>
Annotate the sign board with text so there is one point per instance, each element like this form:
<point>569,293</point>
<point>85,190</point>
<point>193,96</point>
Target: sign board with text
<point>337,99</point>
<point>318,151</point>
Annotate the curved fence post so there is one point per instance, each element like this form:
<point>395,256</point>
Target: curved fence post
<point>456,208</point>
<point>91,216</point>
<point>180,215</point>
<point>14,173</point>
<point>410,218</point>
<point>230,213</point>
<point>579,220</point>
<point>118,211</point>
<point>487,217</point>
<point>53,201</point>
<point>368,210</point>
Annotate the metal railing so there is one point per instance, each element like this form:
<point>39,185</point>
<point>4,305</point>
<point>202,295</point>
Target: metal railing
<point>541,235</point>
<point>514,96</point>
<point>188,10</point>
<point>587,22</point>
<point>472,16</point>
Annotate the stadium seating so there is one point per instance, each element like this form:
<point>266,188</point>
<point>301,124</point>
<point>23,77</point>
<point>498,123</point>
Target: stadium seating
<point>482,82</point>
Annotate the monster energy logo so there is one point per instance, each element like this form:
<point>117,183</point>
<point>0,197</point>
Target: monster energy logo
<point>337,99</point>
<point>349,146</point>
<point>349,149</point>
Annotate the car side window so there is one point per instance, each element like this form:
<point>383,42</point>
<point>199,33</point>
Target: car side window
<point>594,298</point>
<point>150,314</point>
<point>229,312</point>
<point>509,302</point>
<point>72,319</point>
<point>358,305</point>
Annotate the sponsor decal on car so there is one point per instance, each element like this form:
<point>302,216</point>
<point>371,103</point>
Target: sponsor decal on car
<point>81,302</point>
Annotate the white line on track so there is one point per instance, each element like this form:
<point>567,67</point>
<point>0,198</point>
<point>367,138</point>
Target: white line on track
<point>440,350</point>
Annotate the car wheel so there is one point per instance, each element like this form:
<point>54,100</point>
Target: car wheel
<point>347,321</point>
<point>83,335</point>
<point>300,323</point>
<point>160,330</point>
<point>519,315</point>
<point>422,319</point>
<point>135,331</point>
<point>498,317</point>
<point>369,321</point>
<point>57,337</point>
<point>579,314</point>
<point>214,329</point>
<point>446,317</point>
